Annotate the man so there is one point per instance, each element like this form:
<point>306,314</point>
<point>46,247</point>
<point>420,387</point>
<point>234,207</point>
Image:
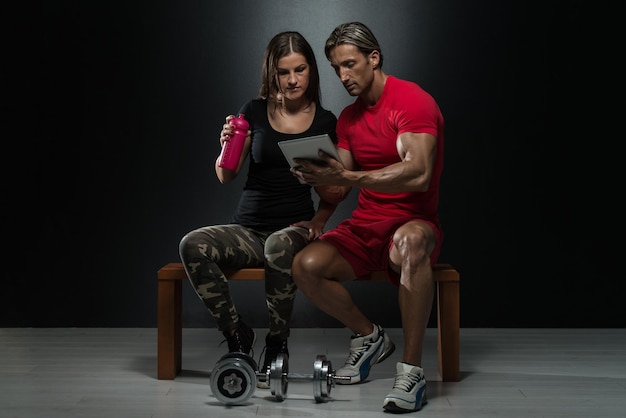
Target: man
<point>391,148</point>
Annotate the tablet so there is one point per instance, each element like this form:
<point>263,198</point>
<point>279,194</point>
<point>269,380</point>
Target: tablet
<point>307,148</point>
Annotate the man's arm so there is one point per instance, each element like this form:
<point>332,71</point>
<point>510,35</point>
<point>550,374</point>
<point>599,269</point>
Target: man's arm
<point>416,150</point>
<point>333,193</point>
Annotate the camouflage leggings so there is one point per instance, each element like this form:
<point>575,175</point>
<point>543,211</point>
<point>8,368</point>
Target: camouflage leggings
<point>206,250</point>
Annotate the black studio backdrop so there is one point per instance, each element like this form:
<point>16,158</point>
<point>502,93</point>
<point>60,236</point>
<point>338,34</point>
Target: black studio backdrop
<point>127,100</point>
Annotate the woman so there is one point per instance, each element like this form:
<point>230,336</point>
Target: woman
<point>275,217</point>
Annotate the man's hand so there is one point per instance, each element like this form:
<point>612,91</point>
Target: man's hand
<point>316,174</point>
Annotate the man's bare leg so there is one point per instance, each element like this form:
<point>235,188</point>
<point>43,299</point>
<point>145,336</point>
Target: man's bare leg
<point>317,270</point>
<point>416,303</point>
<point>414,242</point>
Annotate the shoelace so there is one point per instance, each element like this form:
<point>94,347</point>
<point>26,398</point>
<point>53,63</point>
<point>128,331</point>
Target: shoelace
<point>230,348</point>
<point>357,352</point>
<point>406,381</point>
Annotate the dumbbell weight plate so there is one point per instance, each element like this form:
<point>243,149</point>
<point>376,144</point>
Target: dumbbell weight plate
<point>278,377</point>
<point>321,369</point>
<point>233,379</point>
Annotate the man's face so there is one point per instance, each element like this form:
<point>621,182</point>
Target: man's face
<point>355,70</point>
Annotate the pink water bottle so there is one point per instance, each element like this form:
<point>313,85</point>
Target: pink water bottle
<point>231,152</point>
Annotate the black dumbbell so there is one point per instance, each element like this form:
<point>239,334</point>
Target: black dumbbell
<point>233,379</point>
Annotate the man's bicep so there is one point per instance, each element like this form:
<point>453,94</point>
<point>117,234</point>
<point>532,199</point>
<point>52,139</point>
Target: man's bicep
<point>420,148</point>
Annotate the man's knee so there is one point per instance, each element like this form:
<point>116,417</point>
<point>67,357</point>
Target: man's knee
<point>300,265</point>
<point>414,241</point>
<point>306,266</point>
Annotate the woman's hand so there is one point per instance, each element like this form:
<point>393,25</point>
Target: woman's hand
<point>227,130</point>
<point>225,175</point>
<point>315,229</point>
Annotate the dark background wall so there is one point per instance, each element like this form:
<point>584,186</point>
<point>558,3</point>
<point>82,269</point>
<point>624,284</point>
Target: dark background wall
<point>119,106</point>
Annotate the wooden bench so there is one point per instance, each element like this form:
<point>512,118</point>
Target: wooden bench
<point>169,322</point>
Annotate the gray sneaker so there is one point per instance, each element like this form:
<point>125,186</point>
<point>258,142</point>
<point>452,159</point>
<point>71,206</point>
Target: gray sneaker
<point>365,351</point>
<point>409,390</point>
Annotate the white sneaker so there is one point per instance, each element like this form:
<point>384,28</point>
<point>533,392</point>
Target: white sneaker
<point>365,351</point>
<point>409,390</point>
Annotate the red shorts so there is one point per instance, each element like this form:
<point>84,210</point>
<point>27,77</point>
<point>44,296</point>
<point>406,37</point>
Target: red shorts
<point>366,247</point>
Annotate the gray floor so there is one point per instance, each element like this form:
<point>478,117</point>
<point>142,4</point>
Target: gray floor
<point>95,372</point>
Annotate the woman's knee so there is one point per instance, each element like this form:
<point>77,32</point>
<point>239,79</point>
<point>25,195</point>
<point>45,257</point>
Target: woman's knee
<point>286,242</point>
<point>186,244</point>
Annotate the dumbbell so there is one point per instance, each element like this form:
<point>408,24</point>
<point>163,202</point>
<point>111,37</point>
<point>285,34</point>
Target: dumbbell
<point>233,380</point>
<point>323,377</point>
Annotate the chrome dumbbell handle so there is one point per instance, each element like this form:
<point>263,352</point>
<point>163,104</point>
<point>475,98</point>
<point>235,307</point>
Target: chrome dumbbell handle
<point>298,377</point>
<point>323,377</point>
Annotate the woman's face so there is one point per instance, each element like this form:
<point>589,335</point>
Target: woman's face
<point>293,76</point>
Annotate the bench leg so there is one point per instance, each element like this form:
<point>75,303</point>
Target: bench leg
<point>170,332</point>
<point>448,325</point>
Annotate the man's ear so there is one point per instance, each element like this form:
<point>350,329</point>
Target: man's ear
<point>374,58</point>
